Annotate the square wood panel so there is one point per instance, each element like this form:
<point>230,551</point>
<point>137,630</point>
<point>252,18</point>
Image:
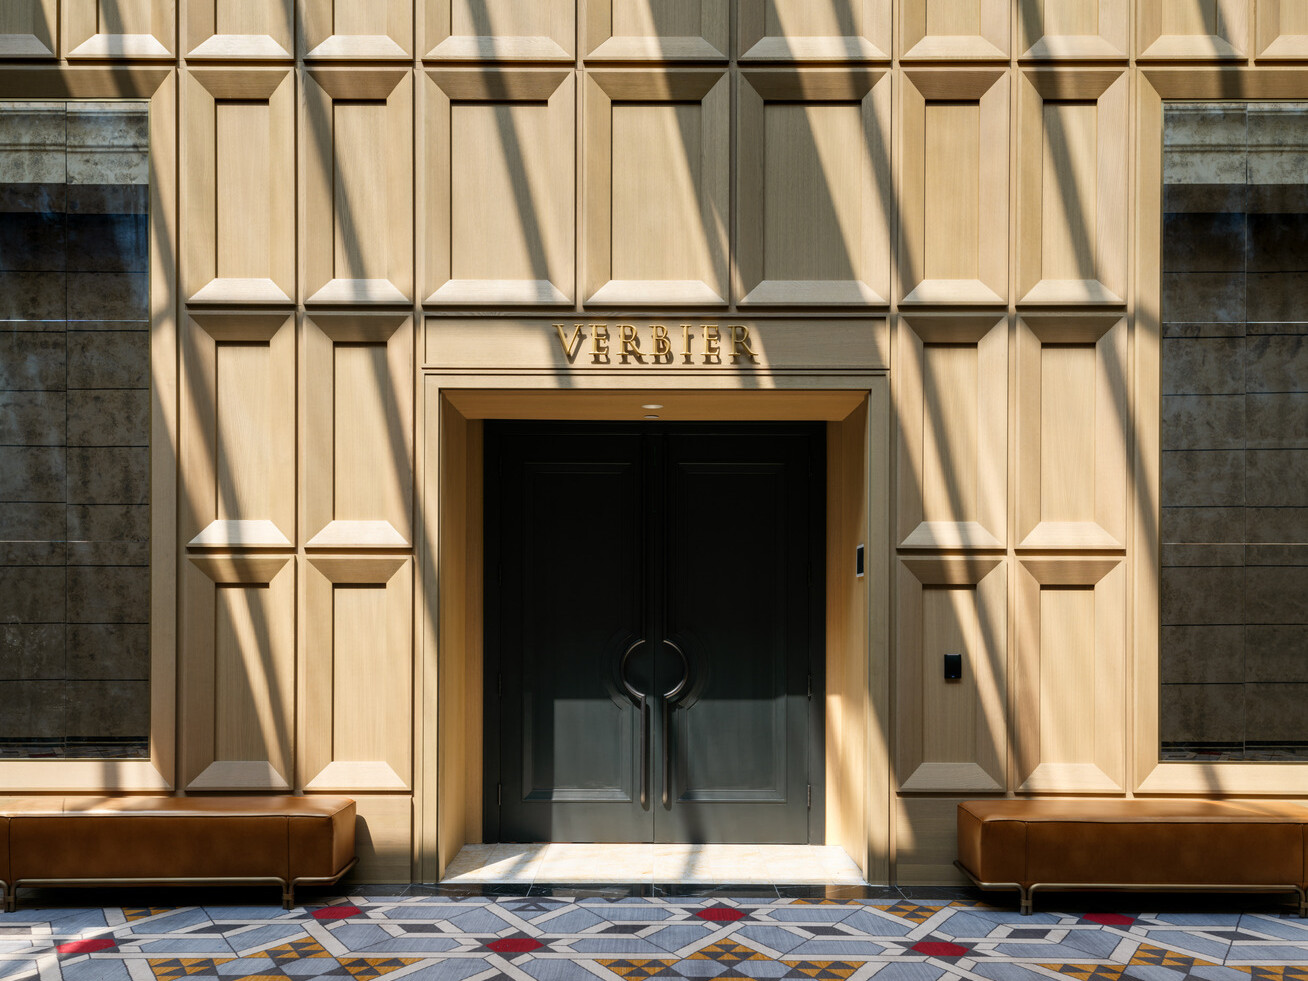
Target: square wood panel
<point>119,28</point>
<point>358,229</point>
<point>952,401</point>
<point>1073,433</point>
<point>1071,675</point>
<point>1073,238</point>
<point>238,431</point>
<point>657,136</point>
<point>1192,29</point>
<point>1282,29</point>
<point>955,30</point>
<point>350,29</point>
<point>1082,29</point>
<point>952,733</point>
<point>359,674</point>
<point>500,30</point>
<point>29,29</point>
<point>239,186</point>
<point>358,431</point>
<point>657,30</point>
<point>954,187</point>
<point>240,29</point>
<point>814,30</point>
<point>238,671</point>
<point>813,189</point>
<point>500,165</point>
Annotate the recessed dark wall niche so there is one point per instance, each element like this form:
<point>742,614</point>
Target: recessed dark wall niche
<point>74,430</point>
<point>1234,645</point>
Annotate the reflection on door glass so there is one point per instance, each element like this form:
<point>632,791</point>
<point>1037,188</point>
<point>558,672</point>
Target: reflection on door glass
<point>1234,532</point>
<point>74,430</point>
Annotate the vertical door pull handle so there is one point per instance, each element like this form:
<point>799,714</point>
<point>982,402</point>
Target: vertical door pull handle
<point>668,697</point>
<point>642,701</point>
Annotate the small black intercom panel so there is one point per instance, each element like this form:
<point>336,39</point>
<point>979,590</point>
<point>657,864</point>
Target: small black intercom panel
<point>858,562</point>
<point>953,667</point>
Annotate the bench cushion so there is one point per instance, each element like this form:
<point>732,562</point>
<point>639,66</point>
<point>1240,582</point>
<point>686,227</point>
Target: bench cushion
<point>178,837</point>
<point>1134,842</point>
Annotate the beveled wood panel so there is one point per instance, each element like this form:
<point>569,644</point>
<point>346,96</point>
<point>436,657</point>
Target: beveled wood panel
<point>239,191</point>
<point>238,672</point>
<point>952,733</point>
<point>1073,138</point>
<point>29,29</point>
<point>1073,433</point>
<point>657,136</point>
<point>348,29</point>
<point>119,28</point>
<point>358,708</point>
<point>500,166</point>
<point>358,227</point>
<point>663,30</point>
<point>813,187</point>
<point>1191,30</point>
<point>238,431</point>
<point>1282,29</point>
<point>952,406</point>
<point>954,187</point>
<point>954,30</point>
<point>926,841</point>
<point>358,431</point>
<point>240,29</point>
<point>1068,29</point>
<point>493,30</point>
<point>814,30</point>
<point>383,838</point>
<point>1070,690</point>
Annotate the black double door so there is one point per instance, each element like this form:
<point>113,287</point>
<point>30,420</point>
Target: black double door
<point>653,629</point>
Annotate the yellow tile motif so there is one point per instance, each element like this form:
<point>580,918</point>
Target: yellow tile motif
<point>728,953</point>
<point>172,968</point>
<point>1088,972</point>
<point>134,913</point>
<point>1273,972</point>
<point>911,911</point>
<point>367,968</point>
<point>1158,957</point>
<point>636,970</point>
<point>823,970</point>
<point>294,951</point>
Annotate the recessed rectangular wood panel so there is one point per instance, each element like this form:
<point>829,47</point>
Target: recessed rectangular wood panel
<point>954,210</point>
<point>347,29</point>
<point>957,30</point>
<point>358,431</point>
<point>1072,165</point>
<point>952,171</point>
<point>814,187</point>
<point>358,168</point>
<point>926,841</point>
<point>238,29</point>
<point>657,29</point>
<point>28,28</point>
<point>1090,29</point>
<point>500,165</point>
<point>239,189</point>
<point>383,838</point>
<point>1192,29</point>
<point>657,136</point>
<point>814,30</point>
<point>119,28</point>
<point>492,30</point>
<point>952,732</point>
<point>238,443</point>
<point>239,672</point>
<point>359,674</point>
<point>1071,665</point>
<point>953,403</point>
<point>1073,434</point>
<point>1282,29</point>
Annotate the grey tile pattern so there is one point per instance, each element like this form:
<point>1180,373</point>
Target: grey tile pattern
<point>1234,665</point>
<point>74,429</point>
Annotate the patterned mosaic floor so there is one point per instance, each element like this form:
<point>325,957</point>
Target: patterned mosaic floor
<point>555,938</point>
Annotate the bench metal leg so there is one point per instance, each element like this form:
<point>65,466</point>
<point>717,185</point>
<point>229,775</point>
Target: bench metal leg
<point>288,895</point>
<point>11,897</point>
<point>1027,900</point>
<point>1303,902</point>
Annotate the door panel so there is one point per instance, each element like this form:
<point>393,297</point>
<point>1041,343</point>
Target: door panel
<point>671,562</point>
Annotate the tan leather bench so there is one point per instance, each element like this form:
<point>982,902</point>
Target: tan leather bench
<point>98,841</point>
<point>1182,845</point>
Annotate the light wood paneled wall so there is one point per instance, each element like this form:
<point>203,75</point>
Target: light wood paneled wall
<point>969,188</point>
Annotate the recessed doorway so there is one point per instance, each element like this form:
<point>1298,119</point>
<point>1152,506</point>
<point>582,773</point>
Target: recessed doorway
<point>654,632</point>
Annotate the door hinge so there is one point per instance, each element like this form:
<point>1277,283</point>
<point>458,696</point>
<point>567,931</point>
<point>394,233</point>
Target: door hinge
<point>810,795</point>
<point>810,686</point>
<point>499,795</point>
